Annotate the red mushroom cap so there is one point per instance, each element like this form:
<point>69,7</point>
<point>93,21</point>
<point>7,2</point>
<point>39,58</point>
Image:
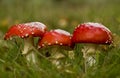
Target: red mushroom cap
<point>26,29</point>
<point>55,37</point>
<point>92,33</point>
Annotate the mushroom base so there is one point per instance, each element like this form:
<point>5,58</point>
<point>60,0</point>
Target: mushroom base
<point>89,53</point>
<point>28,50</point>
<point>58,56</point>
<point>28,44</point>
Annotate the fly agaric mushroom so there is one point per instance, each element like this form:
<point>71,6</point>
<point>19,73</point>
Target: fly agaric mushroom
<point>27,31</point>
<point>55,38</point>
<point>91,33</point>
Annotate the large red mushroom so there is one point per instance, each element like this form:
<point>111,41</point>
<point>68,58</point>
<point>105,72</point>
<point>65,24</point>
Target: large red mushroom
<point>26,31</point>
<point>91,34</point>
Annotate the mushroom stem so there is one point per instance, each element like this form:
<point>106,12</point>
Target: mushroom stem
<point>89,52</point>
<point>31,57</point>
<point>58,56</point>
<point>28,50</point>
<point>28,44</point>
<point>85,55</point>
<point>85,61</point>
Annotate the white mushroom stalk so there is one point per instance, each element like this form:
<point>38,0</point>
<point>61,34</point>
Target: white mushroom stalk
<point>28,50</point>
<point>28,45</point>
<point>89,52</point>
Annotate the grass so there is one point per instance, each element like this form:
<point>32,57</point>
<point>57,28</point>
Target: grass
<point>65,15</point>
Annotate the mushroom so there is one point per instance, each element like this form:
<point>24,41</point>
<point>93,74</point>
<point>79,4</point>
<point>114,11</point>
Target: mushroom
<point>55,37</point>
<point>91,34</point>
<point>56,40</point>
<point>27,31</point>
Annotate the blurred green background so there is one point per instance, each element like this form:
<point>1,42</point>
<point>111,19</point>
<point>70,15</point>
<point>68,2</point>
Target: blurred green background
<point>64,14</point>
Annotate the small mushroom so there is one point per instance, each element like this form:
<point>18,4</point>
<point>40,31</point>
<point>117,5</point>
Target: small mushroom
<point>56,39</point>
<point>27,31</point>
<point>91,34</point>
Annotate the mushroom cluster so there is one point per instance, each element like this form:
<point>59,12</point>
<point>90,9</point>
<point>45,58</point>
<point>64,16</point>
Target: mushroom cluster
<point>88,33</point>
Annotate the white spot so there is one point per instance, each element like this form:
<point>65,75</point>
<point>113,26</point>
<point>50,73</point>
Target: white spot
<point>43,45</point>
<point>56,42</point>
<point>24,28</point>
<point>61,43</point>
<point>62,32</point>
<point>26,35</point>
<point>107,41</point>
<point>32,32</point>
<point>39,47</point>
<point>79,25</point>
<point>22,36</point>
<point>49,43</point>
